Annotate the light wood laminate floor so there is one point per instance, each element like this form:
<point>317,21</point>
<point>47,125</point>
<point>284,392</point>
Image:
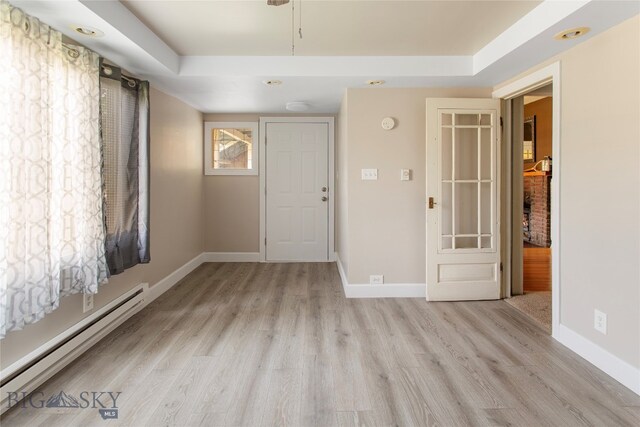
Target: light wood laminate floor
<point>250,344</point>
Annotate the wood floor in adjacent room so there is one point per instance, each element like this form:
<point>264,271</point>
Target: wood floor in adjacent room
<point>536,269</point>
<point>278,344</point>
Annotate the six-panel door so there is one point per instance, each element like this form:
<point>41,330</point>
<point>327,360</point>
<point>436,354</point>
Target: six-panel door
<point>297,207</point>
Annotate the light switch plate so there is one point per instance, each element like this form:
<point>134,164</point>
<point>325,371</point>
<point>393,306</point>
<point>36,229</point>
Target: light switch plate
<point>405,174</point>
<point>369,174</point>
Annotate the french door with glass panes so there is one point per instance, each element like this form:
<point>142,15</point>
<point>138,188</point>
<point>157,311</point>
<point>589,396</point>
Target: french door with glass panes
<point>463,254</point>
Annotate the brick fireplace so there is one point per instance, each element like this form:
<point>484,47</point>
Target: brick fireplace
<point>536,221</point>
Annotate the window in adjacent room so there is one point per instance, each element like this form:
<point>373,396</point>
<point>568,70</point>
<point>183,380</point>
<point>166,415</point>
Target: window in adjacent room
<point>229,148</point>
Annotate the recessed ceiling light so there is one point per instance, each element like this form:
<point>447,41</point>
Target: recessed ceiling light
<point>87,31</point>
<point>297,106</point>
<point>272,82</point>
<point>572,33</point>
<point>375,82</point>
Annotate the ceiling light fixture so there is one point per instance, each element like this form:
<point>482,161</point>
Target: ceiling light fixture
<point>272,82</point>
<point>87,31</point>
<point>572,33</point>
<point>297,106</point>
<point>375,82</point>
<point>277,2</point>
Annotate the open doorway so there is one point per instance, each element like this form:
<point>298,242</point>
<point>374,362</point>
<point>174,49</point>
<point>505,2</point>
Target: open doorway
<point>532,135</point>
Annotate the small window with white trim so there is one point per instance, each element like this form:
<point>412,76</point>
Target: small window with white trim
<point>230,148</point>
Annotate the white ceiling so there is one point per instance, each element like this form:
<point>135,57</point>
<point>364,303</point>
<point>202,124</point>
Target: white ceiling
<point>329,27</point>
<point>206,55</point>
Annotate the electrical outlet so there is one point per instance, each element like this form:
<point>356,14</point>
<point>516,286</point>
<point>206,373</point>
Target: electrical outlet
<point>376,279</point>
<point>87,302</point>
<point>405,174</point>
<point>600,321</point>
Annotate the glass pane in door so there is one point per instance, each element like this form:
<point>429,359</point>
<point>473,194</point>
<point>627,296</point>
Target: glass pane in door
<point>485,153</point>
<point>446,148</point>
<point>446,223</point>
<point>462,119</point>
<point>466,153</point>
<point>467,180</point>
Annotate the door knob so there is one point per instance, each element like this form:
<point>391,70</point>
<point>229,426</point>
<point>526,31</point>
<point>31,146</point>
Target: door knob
<point>324,189</point>
<point>431,203</point>
<point>324,198</point>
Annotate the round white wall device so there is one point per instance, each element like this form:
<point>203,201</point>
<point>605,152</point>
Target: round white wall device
<point>388,123</point>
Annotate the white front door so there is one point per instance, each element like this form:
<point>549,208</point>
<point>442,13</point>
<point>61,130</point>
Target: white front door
<point>463,254</point>
<point>297,198</point>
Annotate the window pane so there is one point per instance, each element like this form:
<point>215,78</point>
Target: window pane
<point>485,154</point>
<point>445,209</point>
<point>447,152</point>
<point>466,208</point>
<point>466,119</point>
<point>446,243</point>
<point>485,208</point>
<point>466,153</point>
<point>466,242</point>
<point>231,148</point>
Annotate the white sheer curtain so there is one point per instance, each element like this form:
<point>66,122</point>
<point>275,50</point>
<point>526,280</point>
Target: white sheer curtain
<point>51,216</point>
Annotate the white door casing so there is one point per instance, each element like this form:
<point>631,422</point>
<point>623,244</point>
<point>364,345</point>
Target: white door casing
<point>297,191</point>
<point>463,229</point>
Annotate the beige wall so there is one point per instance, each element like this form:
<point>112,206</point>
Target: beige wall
<point>600,188</point>
<point>232,213</point>
<point>386,218</point>
<point>342,195</point>
<point>176,219</point>
<point>232,203</point>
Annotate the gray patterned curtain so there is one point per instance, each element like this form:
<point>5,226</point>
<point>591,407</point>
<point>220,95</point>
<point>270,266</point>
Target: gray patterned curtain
<point>124,123</point>
<point>51,218</point>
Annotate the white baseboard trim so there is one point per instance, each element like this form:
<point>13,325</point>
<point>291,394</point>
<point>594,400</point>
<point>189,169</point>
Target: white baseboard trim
<point>343,275</point>
<point>387,290</point>
<point>165,284</point>
<point>616,368</point>
<point>231,257</point>
<point>38,366</point>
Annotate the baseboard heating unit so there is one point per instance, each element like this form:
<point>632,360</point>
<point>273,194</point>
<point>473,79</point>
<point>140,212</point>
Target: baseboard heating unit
<point>26,374</point>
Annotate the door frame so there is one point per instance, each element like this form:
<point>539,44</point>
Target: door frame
<point>521,86</point>
<point>330,121</point>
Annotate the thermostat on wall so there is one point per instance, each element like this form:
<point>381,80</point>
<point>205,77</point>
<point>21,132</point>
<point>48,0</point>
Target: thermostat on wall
<point>388,123</point>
